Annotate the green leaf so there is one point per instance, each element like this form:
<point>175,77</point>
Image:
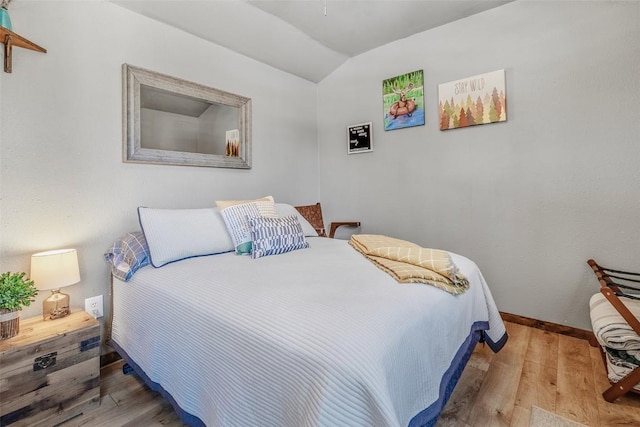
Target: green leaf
<point>16,291</point>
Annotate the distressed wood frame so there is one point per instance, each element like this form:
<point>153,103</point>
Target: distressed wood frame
<point>133,152</point>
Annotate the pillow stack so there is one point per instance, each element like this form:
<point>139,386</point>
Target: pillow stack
<point>259,227</point>
<point>236,213</point>
<point>256,228</point>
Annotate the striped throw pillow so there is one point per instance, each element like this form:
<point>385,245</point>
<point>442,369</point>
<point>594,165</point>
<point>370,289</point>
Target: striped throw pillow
<point>273,236</point>
<point>235,213</point>
<point>235,217</point>
<point>265,205</point>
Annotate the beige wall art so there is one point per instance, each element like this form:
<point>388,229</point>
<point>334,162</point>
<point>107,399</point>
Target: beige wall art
<point>473,101</point>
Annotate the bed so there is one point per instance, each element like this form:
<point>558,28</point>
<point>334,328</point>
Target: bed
<point>312,337</point>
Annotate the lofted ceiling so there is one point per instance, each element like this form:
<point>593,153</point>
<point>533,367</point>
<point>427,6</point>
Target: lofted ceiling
<point>307,38</point>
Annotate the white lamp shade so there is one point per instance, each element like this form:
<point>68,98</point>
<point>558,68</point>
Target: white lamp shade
<point>55,269</point>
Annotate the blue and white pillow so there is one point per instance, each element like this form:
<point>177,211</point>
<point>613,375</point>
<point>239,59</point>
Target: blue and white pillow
<point>235,217</point>
<point>273,236</point>
<point>127,255</point>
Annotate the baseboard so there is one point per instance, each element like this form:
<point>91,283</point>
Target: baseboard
<point>547,326</point>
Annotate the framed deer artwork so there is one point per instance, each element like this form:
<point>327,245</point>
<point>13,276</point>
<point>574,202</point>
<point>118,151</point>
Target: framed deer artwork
<point>403,100</point>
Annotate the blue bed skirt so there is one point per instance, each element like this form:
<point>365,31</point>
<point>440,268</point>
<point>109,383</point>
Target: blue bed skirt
<point>426,418</point>
<point>186,417</point>
<point>429,416</point>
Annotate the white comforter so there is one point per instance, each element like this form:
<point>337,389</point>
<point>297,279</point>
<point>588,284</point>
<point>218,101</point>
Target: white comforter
<point>315,337</point>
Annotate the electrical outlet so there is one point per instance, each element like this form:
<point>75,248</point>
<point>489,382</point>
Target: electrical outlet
<point>94,306</point>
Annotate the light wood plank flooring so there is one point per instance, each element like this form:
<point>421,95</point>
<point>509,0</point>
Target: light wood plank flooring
<point>560,374</point>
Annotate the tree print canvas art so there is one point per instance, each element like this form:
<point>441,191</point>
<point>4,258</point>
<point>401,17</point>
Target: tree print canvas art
<point>472,101</point>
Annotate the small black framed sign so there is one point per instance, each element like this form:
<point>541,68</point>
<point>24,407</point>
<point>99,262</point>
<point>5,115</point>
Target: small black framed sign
<point>359,138</point>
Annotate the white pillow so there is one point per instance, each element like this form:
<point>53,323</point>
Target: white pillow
<point>175,234</point>
<point>283,209</point>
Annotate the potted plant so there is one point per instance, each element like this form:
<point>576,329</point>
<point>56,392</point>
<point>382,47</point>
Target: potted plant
<point>16,292</point>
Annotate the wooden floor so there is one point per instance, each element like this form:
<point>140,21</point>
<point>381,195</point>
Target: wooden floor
<point>560,374</point>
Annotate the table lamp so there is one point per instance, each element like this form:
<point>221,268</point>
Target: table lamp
<point>54,270</point>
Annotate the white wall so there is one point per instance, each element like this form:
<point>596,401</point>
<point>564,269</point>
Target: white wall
<point>531,199</point>
<point>517,197</point>
<point>63,179</point>
<point>169,131</point>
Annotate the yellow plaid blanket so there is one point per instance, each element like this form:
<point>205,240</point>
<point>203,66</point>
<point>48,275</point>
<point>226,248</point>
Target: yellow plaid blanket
<point>409,263</point>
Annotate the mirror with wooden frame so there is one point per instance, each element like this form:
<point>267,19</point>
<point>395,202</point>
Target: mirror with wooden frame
<point>172,121</point>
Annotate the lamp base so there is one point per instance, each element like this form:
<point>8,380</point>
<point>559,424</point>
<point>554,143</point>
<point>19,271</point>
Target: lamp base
<point>55,306</point>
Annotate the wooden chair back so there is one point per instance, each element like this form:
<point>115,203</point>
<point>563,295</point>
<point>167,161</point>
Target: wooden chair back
<point>313,214</point>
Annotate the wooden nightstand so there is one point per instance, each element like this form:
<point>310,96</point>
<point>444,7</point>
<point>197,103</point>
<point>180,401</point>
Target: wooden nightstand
<point>50,371</point>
